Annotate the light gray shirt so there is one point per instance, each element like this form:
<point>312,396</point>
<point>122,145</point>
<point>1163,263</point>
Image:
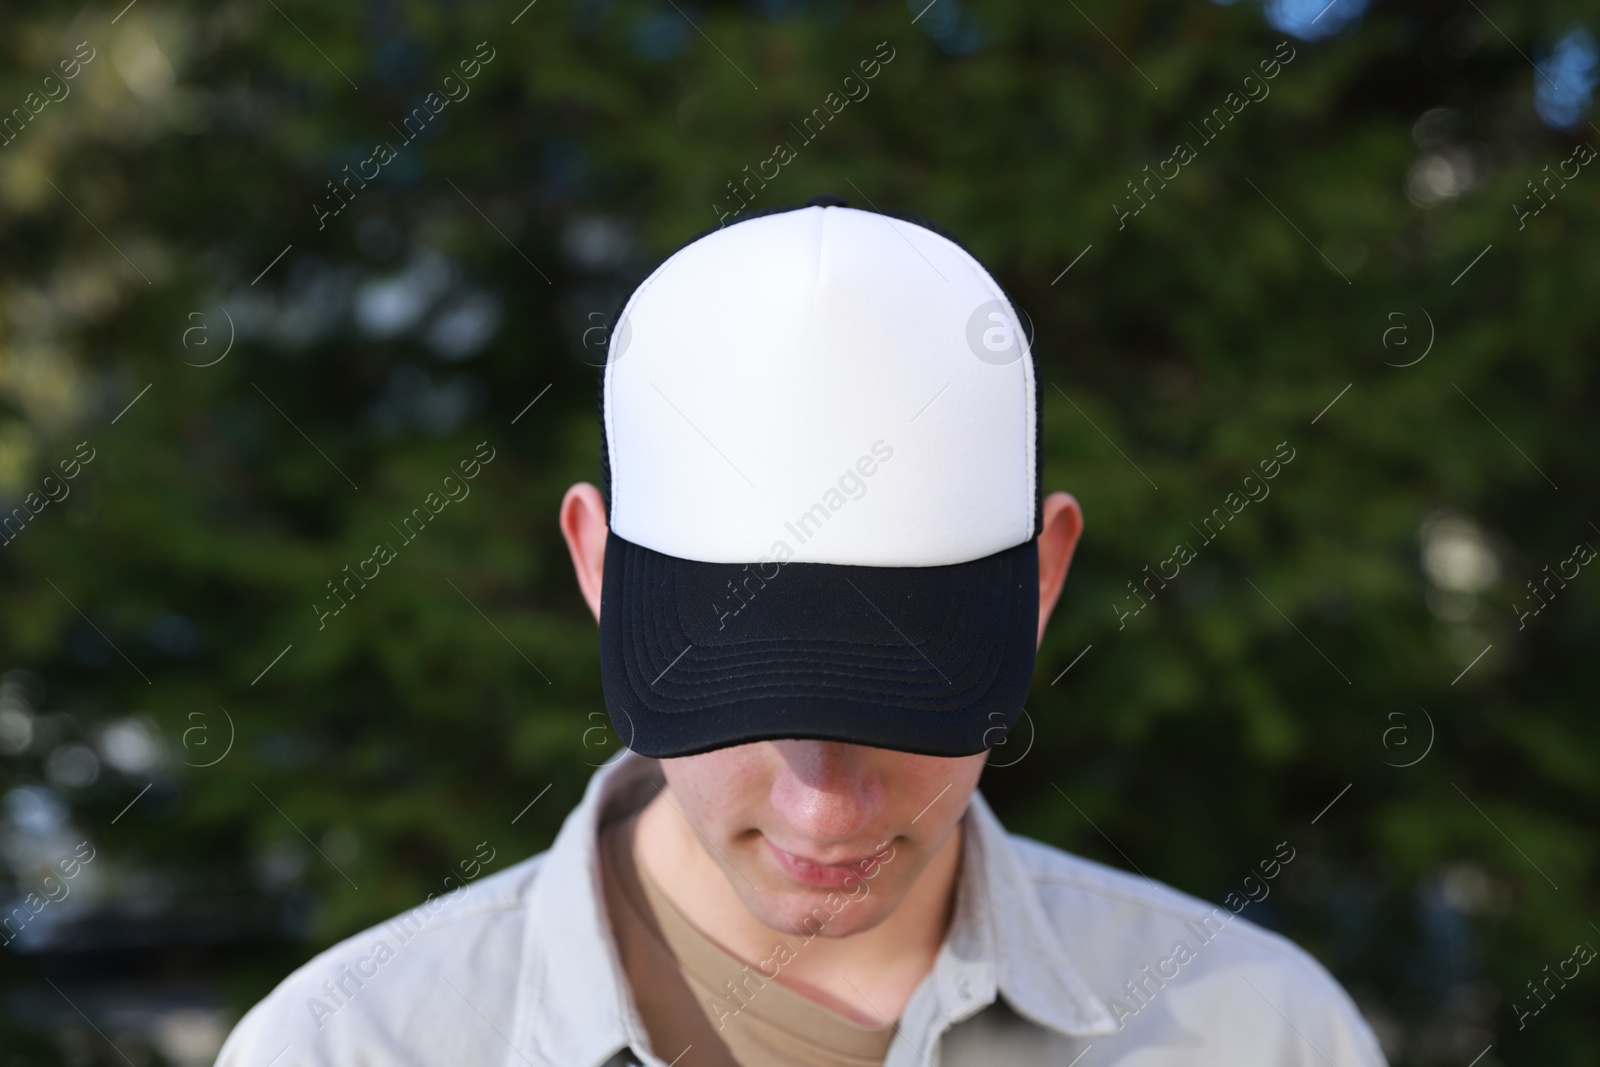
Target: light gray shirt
<point>1049,959</point>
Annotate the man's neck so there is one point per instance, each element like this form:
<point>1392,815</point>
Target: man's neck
<point>867,977</point>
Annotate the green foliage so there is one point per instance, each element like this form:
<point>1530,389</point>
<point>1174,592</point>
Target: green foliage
<point>1289,660</point>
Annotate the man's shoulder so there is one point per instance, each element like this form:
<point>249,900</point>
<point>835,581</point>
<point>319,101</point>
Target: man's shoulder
<point>389,987</point>
<point>1139,902</point>
<point>1156,954</point>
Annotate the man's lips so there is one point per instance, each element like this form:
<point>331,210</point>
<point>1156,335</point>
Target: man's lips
<point>826,875</point>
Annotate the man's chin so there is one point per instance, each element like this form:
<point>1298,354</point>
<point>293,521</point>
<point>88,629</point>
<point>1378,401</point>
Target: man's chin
<point>809,912</point>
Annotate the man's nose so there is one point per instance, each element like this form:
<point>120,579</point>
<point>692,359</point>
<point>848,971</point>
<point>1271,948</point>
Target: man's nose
<point>827,791</point>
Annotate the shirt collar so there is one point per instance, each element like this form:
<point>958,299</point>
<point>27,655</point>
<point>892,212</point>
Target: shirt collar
<point>574,1005</point>
<point>1001,939</point>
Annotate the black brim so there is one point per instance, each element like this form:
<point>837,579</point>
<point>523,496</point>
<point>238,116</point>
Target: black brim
<point>932,660</point>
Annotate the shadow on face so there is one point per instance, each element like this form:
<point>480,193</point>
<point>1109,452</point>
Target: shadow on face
<point>823,837</point>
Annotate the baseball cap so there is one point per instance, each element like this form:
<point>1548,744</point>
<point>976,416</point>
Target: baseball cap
<point>821,467</point>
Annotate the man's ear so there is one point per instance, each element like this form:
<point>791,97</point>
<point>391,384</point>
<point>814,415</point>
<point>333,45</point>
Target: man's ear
<point>1063,524</point>
<point>583,524</point>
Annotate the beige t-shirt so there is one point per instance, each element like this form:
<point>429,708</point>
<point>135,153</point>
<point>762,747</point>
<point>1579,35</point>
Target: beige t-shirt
<point>703,1004</point>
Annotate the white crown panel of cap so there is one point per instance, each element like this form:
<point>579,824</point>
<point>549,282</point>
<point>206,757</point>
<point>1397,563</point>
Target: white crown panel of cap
<point>762,370</point>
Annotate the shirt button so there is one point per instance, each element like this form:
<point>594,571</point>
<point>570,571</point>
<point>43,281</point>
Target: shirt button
<point>964,988</point>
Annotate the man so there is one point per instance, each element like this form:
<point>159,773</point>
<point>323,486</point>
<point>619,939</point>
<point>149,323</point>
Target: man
<point>821,567</point>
